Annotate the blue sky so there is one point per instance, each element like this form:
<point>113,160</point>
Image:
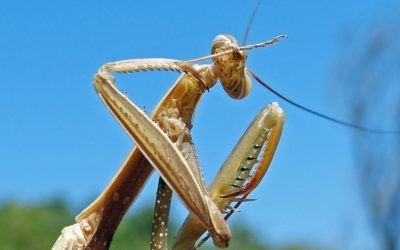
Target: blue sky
<point>58,139</point>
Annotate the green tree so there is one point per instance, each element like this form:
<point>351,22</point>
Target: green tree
<point>33,227</point>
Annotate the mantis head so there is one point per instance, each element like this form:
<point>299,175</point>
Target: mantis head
<point>230,68</point>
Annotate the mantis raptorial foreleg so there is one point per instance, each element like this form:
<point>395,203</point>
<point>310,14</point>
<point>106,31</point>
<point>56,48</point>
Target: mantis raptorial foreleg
<point>164,195</point>
<point>256,147</point>
<point>158,148</point>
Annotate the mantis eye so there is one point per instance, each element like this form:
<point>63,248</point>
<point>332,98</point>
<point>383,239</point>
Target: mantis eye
<point>230,68</point>
<point>237,88</point>
<point>223,42</point>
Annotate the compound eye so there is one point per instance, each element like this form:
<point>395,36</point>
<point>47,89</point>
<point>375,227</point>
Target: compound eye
<point>238,88</point>
<point>222,43</point>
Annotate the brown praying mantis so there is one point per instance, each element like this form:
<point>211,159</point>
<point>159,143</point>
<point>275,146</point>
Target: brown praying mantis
<point>163,142</point>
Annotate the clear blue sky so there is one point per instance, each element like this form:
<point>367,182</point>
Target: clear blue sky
<point>58,139</point>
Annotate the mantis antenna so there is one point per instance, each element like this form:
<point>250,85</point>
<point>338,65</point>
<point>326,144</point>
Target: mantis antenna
<point>308,110</point>
<point>323,116</point>
<point>253,14</point>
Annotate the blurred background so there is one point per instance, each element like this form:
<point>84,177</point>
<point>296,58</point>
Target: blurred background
<point>329,186</point>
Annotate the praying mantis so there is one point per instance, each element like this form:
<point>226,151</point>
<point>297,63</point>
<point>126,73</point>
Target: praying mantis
<point>163,142</point>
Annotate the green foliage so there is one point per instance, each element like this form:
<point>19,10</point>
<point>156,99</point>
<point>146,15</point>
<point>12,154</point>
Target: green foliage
<point>38,227</point>
<point>34,227</point>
